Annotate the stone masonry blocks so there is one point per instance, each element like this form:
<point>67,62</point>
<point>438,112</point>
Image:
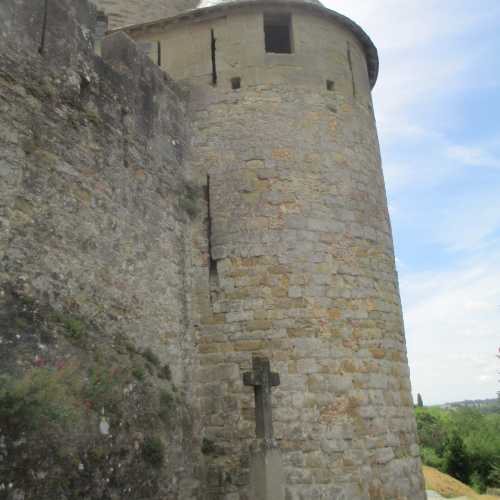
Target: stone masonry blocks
<point>296,257</point>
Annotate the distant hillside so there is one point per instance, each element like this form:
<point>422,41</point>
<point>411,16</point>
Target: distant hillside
<point>485,405</point>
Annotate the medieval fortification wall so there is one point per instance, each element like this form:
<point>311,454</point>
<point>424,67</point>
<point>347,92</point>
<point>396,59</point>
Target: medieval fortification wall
<point>156,231</point>
<point>94,224</point>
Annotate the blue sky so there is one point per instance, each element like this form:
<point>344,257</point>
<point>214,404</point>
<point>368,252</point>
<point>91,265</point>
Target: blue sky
<point>437,103</point>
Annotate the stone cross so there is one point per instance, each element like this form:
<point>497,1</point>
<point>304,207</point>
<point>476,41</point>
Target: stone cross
<point>262,380</point>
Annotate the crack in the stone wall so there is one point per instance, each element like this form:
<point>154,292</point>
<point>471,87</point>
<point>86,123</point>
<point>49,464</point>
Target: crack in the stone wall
<point>349,59</point>
<point>158,53</point>
<point>213,49</point>
<point>44,27</point>
<point>213,273</point>
<point>125,144</point>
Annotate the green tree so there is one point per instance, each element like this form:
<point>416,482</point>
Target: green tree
<point>432,429</point>
<point>498,356</point>
<point>431,458</point>
<point>494,476</point>
<point>420,401</point>
<point>456,460</point>
<point>463,442</point>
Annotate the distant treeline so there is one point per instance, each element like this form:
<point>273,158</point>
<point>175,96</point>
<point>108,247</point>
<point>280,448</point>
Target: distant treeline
<point>485,405</point>
<point>463,442</point>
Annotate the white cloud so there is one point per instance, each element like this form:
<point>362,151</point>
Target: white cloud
<point>469,223</point>
<point>398,175</point>
<point>453,329</point>
<point>406,90</point>
<point>421,169</point>
<point>417,42</point>
<point>474,156</point>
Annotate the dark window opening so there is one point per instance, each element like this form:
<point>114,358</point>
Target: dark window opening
<point>236,83</point>
<point>158,53</point>
<point>330,85</point>
<point>278,33</point>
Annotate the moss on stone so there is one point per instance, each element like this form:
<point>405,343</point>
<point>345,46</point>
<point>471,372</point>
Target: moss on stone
<point>208,447</point>
<point>189,200</point>
<point>167,406</point>
<point>150,356</point>
<point>165,373</point>
<point>75,328</point>
<point>139,373</point>
<point>153,451</point>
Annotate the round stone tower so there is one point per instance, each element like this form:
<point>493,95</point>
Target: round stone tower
<point>293,255</point>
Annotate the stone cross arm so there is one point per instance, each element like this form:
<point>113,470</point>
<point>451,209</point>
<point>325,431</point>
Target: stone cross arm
<point>255,379</point>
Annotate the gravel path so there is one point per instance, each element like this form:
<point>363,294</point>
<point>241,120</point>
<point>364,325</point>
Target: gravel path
<point>433,495</point>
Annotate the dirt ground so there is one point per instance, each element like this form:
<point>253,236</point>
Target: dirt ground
<point>449,487</point>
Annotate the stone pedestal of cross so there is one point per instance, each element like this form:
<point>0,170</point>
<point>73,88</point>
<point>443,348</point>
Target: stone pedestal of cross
<point>266,467</point>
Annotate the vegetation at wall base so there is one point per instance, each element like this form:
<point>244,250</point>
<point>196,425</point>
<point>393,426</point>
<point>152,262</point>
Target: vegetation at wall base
<point>74,403</point>
<point>464,443</point>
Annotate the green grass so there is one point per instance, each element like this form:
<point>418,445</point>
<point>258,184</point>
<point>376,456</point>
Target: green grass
<point>139,373</point>
<point>153,451</point>
<point>42,396</point>
<point>75,328</point>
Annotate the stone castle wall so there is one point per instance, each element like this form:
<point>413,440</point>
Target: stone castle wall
<point>295,260</point>
<point>92,179</point>
<point>126,12</point>
<point>95,209</point>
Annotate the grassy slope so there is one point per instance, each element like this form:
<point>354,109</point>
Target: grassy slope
<point>449,487</point>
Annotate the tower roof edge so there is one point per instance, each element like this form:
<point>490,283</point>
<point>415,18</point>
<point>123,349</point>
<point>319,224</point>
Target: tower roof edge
<point>202,4</point>
<point>213,7</point>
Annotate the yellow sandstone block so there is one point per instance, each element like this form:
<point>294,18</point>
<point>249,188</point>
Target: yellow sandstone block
<point>282,154</point>
<point>214,319</point>
<point>208,348</point>
<point>333,126</point>
<point>255,164</point>
<point>279,292</point>
<point>348,366</point>
<point>249,345</point>
<point>334,313</point>
<point>259,324</point>
<point>377,352</point>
